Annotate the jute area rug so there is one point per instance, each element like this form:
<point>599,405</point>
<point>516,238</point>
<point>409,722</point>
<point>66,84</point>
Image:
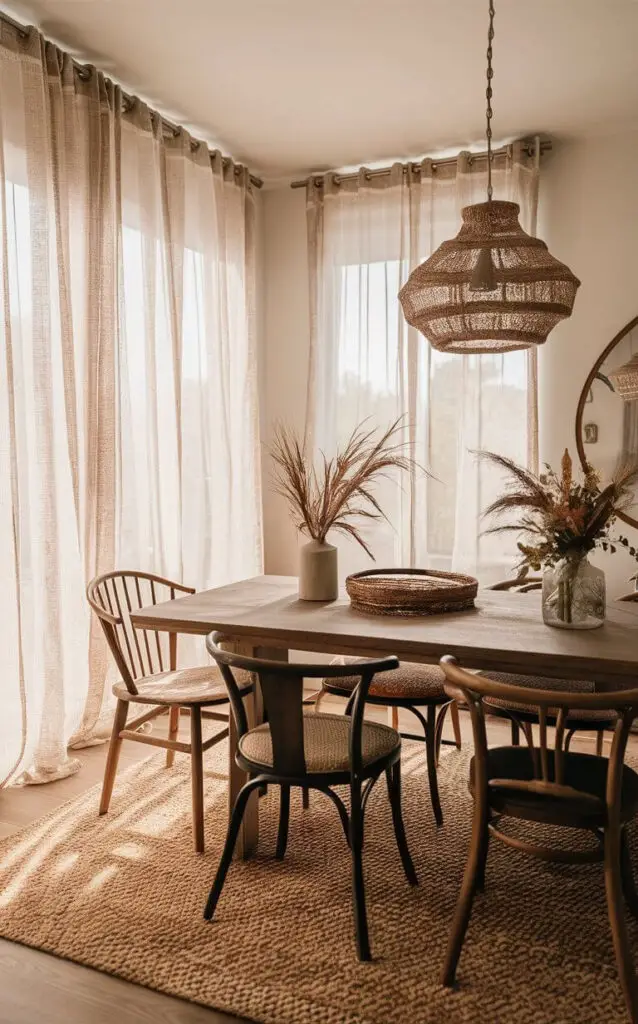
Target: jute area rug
<point>124,894</point>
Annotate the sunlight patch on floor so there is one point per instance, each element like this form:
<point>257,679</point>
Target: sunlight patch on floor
<point>65,864</point>
<point>103,876</point>
<point>131,851</point>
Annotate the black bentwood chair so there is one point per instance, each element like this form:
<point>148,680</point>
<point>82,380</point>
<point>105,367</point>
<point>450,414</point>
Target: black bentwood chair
<point>312,752</point>
<point>415,688</point>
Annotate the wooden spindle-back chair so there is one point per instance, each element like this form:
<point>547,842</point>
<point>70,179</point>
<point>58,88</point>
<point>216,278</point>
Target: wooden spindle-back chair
<point>147,662</point>
<point>550,784</point>
<point>522,716</point>
<point>310,751</point>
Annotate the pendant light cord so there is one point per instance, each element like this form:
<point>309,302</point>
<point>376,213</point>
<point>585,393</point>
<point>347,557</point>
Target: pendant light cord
<point>488,94</point>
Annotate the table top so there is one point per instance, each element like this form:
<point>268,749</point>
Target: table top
<point>504,632</point>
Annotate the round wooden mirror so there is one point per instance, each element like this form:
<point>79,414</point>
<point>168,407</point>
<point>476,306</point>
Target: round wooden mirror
<point>607,415</point>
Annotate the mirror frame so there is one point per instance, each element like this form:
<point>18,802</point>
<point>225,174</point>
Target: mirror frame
<point>583,399</point>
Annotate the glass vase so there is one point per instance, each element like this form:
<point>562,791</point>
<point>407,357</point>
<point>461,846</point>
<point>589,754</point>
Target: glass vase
<point>574,594</point>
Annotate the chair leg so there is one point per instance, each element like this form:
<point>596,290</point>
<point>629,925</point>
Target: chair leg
<point>443,710</point>
<point>616,910</point>
<point>628,880</point>
<point>480,871</point>
<point>319,695</point>
<point>113,755</point>
<point>516,734</point>
<point>229,847</point>
<point>393,780</point>
<point>358,891</point>
<point>599,742</point>
<point>284,817</point>
<point>475,863</point>
<point>173,729</point>
<point>456,723</point>
<point>430,750</point>
<point>343,816</point>
<point>197,778</point>
<point>305,798</point>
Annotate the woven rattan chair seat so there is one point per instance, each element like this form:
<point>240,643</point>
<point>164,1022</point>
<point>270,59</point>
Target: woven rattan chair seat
<point>408,682</point>
<point>326,743</point>
<point>582,715</point>
<point>203,685</point>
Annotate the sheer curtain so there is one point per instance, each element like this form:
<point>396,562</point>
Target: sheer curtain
<point>365,235</point>
<point>128,415</point>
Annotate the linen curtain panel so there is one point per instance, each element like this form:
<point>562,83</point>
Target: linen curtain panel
<point>365,236</point>
<point>128,417</point>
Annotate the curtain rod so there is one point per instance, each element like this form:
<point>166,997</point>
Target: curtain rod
<point>84,72</point>
<point>317,179</point>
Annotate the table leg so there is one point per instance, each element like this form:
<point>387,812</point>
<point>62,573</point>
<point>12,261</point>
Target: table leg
<point>249,831</point>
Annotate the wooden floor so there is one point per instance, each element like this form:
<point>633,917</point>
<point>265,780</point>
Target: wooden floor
<point>36,988</point>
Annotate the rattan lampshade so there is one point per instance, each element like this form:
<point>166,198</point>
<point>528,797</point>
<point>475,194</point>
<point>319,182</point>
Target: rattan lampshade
<point>532,291</point>
<point>493,288</point>
<point>625,380</point>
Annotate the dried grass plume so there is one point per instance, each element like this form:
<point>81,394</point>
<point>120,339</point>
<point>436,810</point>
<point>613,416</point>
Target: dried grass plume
<point>558,515</point>
<point>337,492</point>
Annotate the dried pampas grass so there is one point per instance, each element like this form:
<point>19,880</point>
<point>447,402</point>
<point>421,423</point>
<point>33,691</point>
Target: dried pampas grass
<point>339,491</point>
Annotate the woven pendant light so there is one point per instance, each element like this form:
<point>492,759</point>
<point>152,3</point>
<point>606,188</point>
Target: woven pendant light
<point>493,288</point>
<point>625,380</point>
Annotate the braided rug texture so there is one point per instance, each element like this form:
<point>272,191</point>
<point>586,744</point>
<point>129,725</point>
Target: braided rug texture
<point>125,893</point>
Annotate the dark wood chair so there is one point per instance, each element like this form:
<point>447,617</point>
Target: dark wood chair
<point>297,749</point>
<point>521,715</point>
<point>147,662</point>
<point>554,786</point>
<point>411,687</point>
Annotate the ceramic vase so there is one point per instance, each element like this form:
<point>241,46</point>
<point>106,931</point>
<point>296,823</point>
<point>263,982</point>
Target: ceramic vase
<point>318,578</point>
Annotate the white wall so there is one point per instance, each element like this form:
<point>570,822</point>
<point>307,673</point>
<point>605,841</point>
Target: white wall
<point>588,217</point>
<point>286,339</point>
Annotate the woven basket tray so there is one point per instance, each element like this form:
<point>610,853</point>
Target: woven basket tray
<point>410,591</point>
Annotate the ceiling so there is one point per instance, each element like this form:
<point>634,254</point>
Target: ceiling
<point>289,86</point>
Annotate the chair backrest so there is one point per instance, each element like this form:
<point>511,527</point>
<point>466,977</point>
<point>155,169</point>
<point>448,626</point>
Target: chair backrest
<point>548,769</point>
<point>137,652</point>
<point>520,584</point>
<point>282,691</point>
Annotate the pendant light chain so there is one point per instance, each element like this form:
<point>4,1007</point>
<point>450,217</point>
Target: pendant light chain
<point>493,288</point>
<point>488,94</point>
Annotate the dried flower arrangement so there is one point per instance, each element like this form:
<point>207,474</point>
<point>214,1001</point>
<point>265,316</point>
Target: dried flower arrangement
<point>562,518</point>
<point>338,492</point>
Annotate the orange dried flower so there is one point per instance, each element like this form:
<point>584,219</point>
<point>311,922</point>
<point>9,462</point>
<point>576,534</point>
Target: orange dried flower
<point>566,466</point>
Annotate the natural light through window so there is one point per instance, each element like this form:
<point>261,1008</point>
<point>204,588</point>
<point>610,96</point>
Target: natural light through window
<point>455,405</point>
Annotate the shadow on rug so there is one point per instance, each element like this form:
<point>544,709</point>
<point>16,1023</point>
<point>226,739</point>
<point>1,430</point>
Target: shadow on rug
<point>125,894</point>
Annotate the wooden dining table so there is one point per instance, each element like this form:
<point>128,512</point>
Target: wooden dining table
<point>264,617</point>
